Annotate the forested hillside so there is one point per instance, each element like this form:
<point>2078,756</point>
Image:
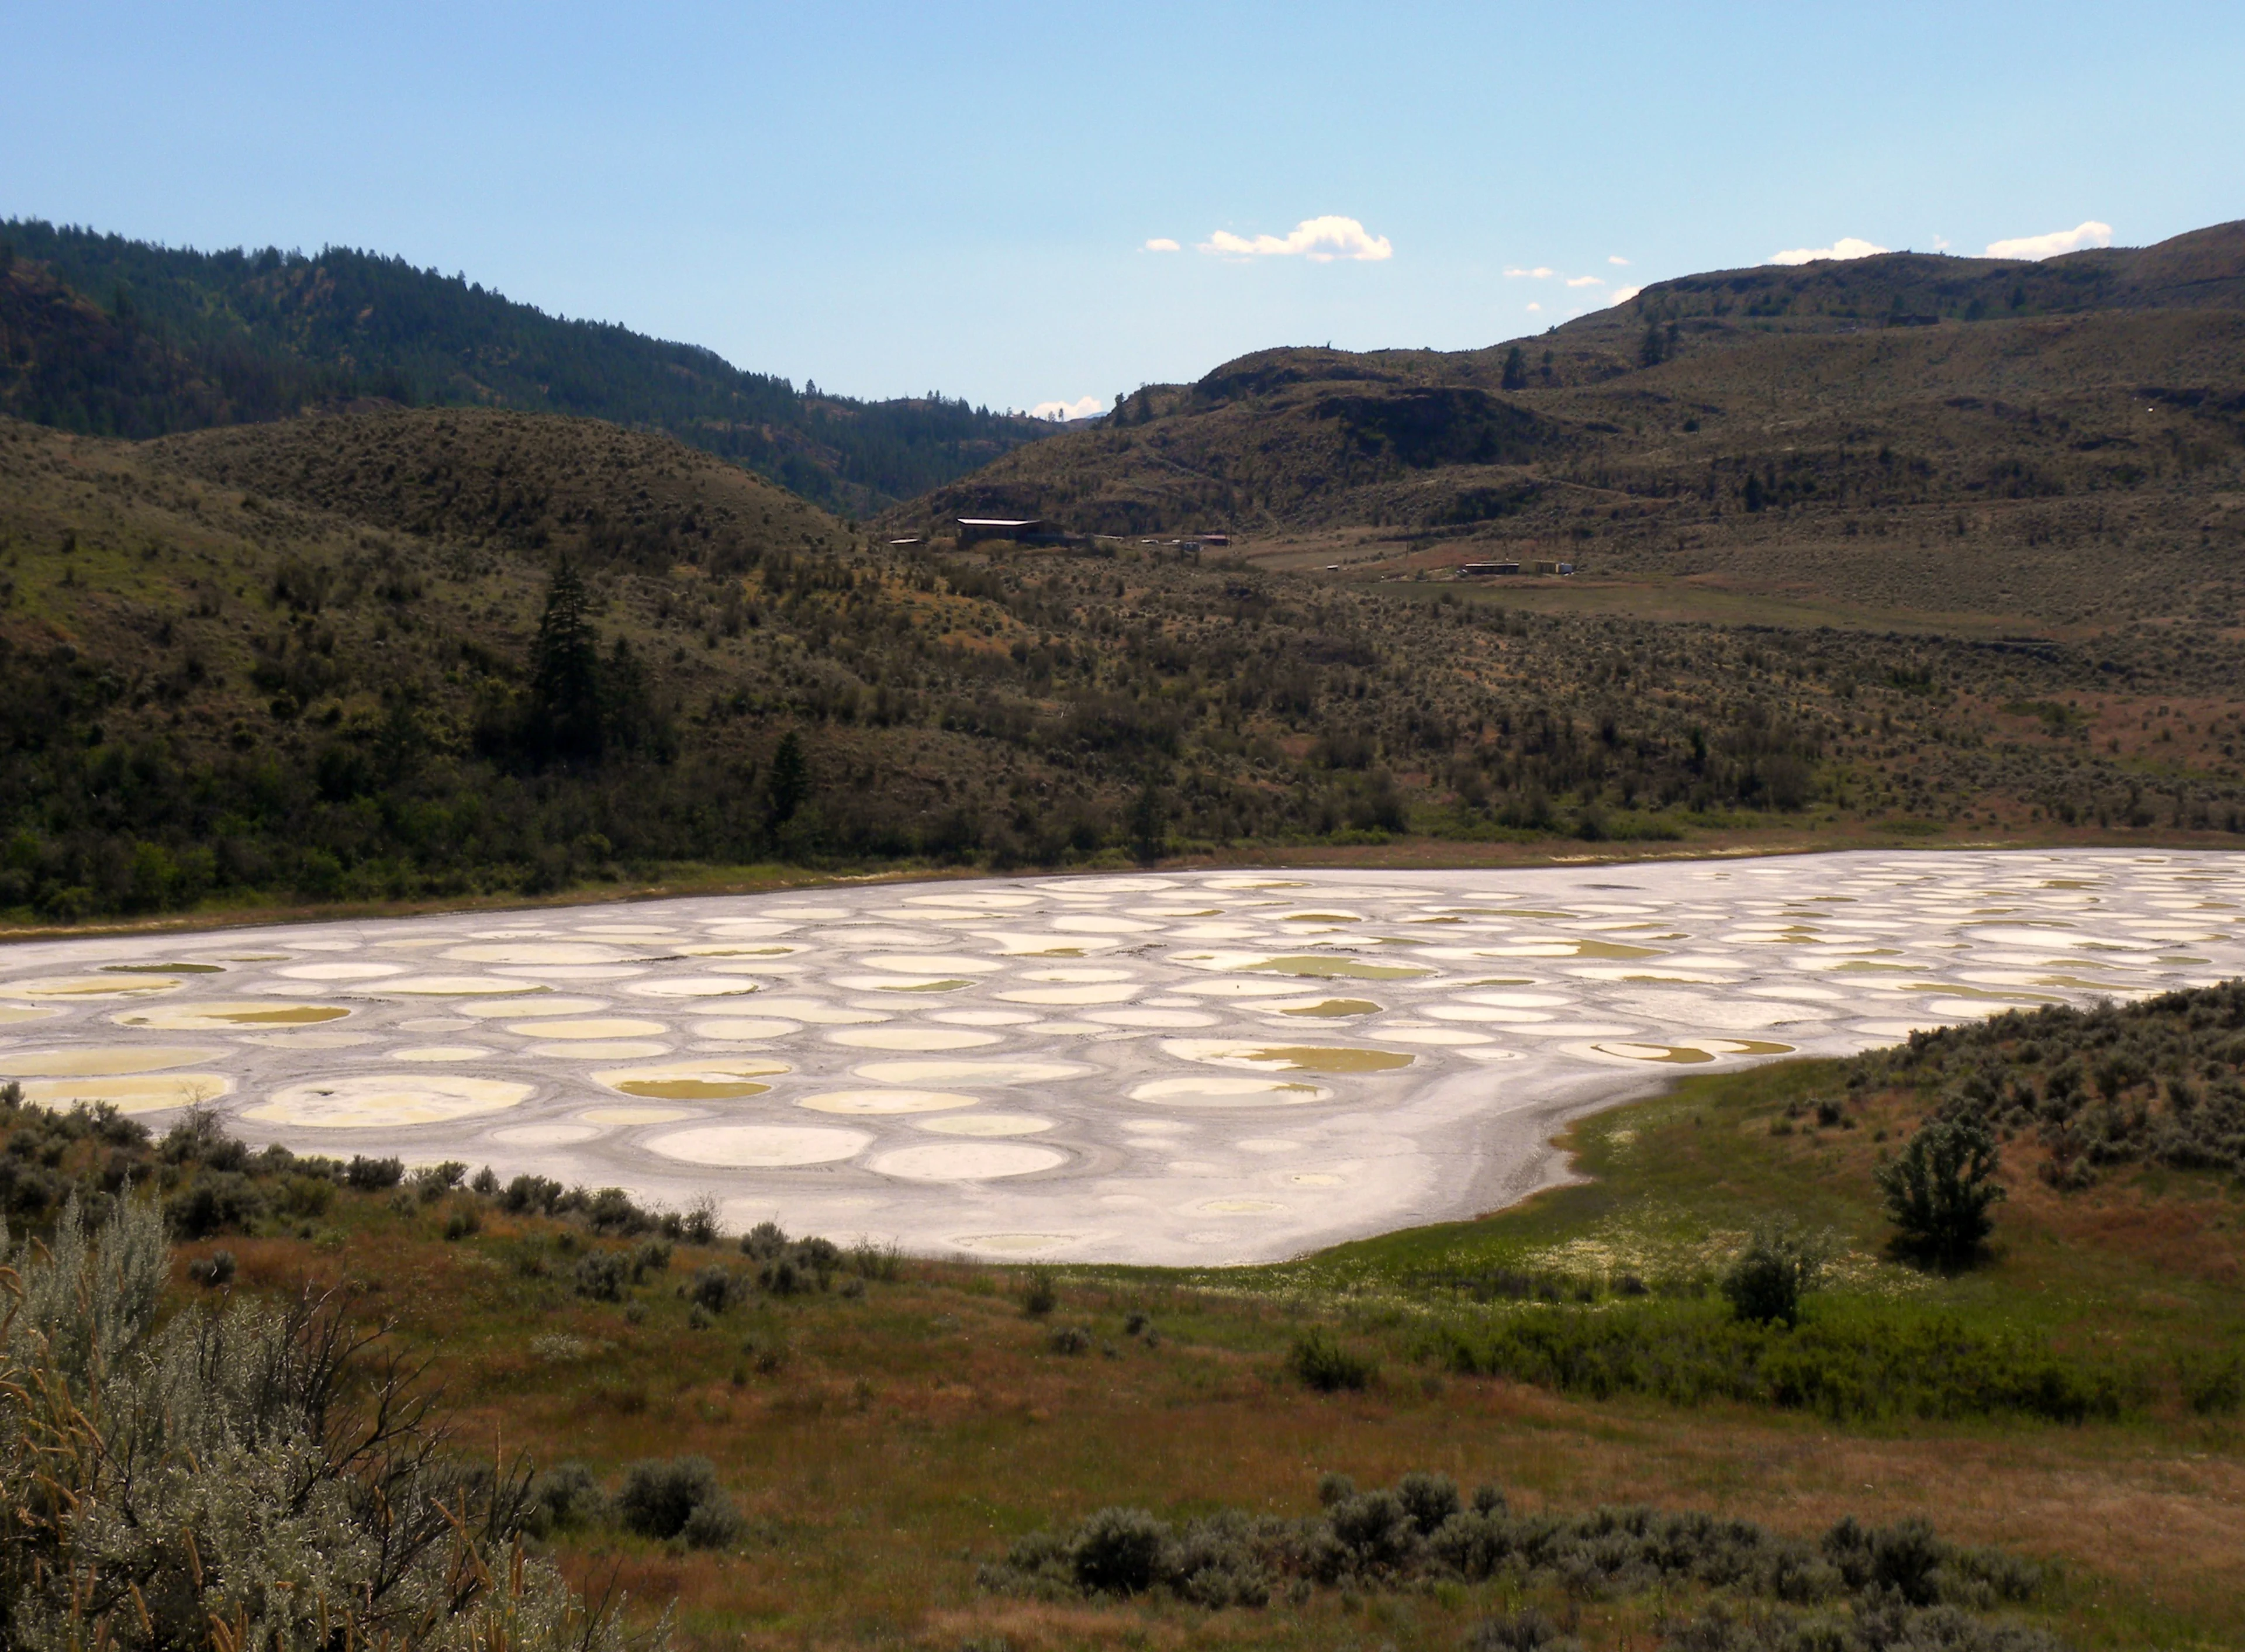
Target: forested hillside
<point>115,337</point>
<point>338,657</point>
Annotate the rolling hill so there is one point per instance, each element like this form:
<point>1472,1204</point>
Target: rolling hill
<point>335,656</point>
<point>2060,441</point>
<point>109,336</point>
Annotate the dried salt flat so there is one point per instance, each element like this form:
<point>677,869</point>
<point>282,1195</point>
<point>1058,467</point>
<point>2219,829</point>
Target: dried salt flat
<point>1093,1068</point>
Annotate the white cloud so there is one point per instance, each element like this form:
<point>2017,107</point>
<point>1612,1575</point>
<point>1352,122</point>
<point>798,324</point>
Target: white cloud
<point>1319,240</point>
<point>2088,234</point>
<point>1941,243</point>
<point>1586,280</point>
<point>1624,297</point>
<point>1846,246</point>
<point>1082,407</point>
<point>1161,244</point>
<point>1534,309</point>
<point>1618,262</point>
<point>1541,272</point>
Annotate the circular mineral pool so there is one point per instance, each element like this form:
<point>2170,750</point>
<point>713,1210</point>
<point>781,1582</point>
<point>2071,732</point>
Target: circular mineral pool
<point>370,1101</point>
<point>150,1092</point>
<point>987,1124</point>
<point>968,1162</point>
<point>743,1146</point>
<point>1213,1091</point>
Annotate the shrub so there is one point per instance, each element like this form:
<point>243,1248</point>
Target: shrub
<point>1886,1361</point>
<point>462,1223</point>
<point>1380,1539</point>
<point>1069,1339</point>
<point>1940,1188</point>
<point>1429,1500</point>
<point>432,1181</point>
<point>1526,1630</point>
<point>1040,1293</point>
<point>213,1270</point>
<point>1779,1266</point>
<point>699,1225</point>
<point>870,1260</point>
<point>1115,1552</point>
<point>533,1195</point>
<point>603,1274</point>
<point>2214,1387</point>
<point>716,1289</point>
<point>564,1497</point>
<point>764,1240</point>
<point>1320,1360</point>
<point>677,1497</point>
<point>215,1201</point>
<point>200,1472</point>
<point>372,1175</point>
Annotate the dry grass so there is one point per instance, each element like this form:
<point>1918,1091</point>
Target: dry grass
<point>915,1429</point>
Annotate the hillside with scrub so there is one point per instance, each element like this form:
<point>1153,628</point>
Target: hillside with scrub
<point>1903,550</point>
<point>322,659</point>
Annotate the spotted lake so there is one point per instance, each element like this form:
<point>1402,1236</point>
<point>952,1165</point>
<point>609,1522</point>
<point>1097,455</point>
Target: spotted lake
<point>1173,1068</point>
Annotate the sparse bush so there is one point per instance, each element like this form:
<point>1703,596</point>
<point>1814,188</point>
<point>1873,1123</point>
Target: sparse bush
<point>716,1289</point>
<point>213,1270</point>
<point>1778,1268</point>
<point>564,1497</point>
<point>2213,1386</point>
<point>215,1201</point>
<point>1040,1293</point>
<point>1115,1552</point>
<point>372,1175</point>
<point>604,1276</point>
<point>432,1181</point>
<point>677,1497</point>
<point>878,1262</point>
<point>1320,1360</point>
<point>699,1225</point>
<point>1526,1630</point>
<point>1069,1339</point>
<point>1417,1534</point>
<point>199,1473</point>
<point>538,1195</point>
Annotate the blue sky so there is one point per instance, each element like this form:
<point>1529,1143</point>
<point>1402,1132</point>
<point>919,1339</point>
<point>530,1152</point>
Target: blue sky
<point>889,199</point>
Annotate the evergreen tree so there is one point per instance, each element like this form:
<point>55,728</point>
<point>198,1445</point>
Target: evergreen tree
<point>1149,817</point>
<point>1516,370</point>
<point>565,679</point>
<point>788,784</point>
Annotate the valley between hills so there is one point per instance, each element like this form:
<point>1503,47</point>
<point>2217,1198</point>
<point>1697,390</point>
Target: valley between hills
<point>330,589</point>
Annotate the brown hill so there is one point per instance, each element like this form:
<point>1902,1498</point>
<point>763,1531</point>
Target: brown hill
<point>2070,430</point>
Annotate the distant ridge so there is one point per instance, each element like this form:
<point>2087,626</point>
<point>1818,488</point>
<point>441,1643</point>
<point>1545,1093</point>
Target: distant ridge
<point>1716,420</point>
<point>109,336</point>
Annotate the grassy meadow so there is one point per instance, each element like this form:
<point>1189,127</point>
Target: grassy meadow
<point>887,1435</point>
